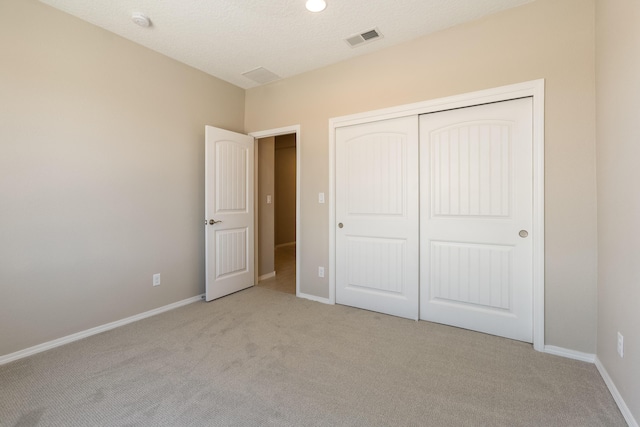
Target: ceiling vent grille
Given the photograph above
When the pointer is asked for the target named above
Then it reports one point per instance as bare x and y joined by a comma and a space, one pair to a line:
261, 75
365, 37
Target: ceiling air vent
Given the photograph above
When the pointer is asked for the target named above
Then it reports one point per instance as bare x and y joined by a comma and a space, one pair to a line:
362, 38
261, 75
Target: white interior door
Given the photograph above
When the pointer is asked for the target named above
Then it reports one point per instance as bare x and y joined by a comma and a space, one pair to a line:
228, 211
377, 214
476, 218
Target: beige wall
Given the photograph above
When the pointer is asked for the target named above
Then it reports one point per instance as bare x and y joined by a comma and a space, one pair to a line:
101, 174
266, 187
285, 180
618, 136
550, 39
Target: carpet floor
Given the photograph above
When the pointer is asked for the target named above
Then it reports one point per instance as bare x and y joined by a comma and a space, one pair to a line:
265, 358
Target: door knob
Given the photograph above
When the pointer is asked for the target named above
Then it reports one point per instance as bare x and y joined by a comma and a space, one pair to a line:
523, 233
340, 225
213, 221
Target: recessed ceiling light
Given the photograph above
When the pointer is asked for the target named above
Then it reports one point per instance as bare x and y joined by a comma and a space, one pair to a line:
141, 20
316, 5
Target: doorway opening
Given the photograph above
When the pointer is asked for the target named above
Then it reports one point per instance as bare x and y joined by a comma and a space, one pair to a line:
277, 204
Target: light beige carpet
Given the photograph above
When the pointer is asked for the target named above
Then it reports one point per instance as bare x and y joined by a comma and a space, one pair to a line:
264, 358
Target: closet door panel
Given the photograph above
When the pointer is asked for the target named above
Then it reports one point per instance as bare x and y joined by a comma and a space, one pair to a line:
476, 218
377, 216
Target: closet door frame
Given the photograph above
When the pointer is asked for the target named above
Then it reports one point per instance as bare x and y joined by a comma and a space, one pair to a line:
534, 89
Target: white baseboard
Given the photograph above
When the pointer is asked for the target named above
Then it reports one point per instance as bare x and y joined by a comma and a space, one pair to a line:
314, 298
267, 276
93, 331
571, 354
592, 358
626, 413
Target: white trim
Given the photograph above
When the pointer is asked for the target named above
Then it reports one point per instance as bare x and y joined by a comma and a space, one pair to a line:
538, 214
285, 131
569, 354
502, 93
535, 89
315, 298
592, 358
626, 412
93, 331
332, 211
267, 276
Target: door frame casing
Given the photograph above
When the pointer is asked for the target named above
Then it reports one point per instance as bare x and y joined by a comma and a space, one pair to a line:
534, 89
287, 130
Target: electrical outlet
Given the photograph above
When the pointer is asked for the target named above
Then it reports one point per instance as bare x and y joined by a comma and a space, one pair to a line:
156, 279
620, 345
320, 271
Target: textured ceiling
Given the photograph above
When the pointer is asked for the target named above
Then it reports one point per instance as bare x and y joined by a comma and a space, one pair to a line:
226, 38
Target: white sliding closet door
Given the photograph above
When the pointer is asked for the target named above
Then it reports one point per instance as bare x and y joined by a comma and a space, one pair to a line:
377, 216
476, 218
